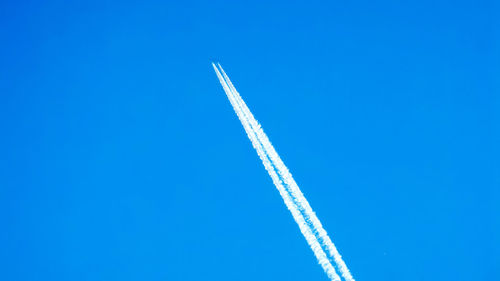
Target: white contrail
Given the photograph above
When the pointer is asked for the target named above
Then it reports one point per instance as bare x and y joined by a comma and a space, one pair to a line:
306, 231
296, 194
311, 228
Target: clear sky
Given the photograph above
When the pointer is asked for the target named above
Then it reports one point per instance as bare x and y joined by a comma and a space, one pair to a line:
122, 159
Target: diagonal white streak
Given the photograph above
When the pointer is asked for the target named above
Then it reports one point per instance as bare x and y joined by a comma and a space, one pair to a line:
311, 228
306, 231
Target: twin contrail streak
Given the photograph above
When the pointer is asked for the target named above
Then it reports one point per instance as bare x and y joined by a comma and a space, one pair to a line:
317, 238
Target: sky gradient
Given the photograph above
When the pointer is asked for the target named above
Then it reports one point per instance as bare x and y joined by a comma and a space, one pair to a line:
121, 158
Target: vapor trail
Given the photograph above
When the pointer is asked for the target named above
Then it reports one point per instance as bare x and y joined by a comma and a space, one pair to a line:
310, 226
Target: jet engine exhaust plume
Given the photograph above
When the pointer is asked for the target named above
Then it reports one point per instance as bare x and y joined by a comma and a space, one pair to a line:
317, 238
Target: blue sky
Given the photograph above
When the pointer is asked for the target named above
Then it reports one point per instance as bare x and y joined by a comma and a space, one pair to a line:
121, 158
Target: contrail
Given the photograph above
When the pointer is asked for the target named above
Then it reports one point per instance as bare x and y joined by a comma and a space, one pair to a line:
310, 226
